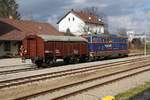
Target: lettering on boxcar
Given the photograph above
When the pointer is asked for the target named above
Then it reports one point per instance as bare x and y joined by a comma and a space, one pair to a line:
108, 45
75, 51
57, 51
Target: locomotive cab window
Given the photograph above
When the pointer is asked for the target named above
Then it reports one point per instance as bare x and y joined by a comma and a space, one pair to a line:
99, 39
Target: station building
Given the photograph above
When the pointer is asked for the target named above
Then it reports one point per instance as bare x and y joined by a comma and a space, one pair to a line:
13, 31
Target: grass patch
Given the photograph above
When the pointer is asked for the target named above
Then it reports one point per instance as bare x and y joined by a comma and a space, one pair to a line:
132, 92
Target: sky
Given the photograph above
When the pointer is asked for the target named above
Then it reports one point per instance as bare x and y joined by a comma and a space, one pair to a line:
129, 14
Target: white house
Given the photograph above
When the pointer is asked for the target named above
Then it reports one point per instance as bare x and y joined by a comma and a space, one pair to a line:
132, 35
80, 23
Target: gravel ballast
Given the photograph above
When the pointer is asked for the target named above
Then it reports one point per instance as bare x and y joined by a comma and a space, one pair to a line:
113, 88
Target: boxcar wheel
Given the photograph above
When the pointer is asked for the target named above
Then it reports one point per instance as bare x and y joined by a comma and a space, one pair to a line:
38, 61
67, 60
83, 59
76, 60
52, 62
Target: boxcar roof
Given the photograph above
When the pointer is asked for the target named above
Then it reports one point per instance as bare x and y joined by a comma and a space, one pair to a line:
61, 38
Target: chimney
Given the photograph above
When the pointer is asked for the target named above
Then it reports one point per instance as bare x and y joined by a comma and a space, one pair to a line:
72, 9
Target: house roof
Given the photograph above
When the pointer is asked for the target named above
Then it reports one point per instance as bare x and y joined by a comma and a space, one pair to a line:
25, 27
13, 35
86, 17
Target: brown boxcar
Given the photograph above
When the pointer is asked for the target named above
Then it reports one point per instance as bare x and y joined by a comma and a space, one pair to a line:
48, 48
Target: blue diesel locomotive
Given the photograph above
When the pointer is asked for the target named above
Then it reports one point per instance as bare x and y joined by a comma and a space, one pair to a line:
107, 45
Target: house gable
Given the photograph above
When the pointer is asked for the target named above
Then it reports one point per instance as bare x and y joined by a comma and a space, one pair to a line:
80, 23
71, 22
86, 17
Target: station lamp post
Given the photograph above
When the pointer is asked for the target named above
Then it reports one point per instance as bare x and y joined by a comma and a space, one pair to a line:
146, 40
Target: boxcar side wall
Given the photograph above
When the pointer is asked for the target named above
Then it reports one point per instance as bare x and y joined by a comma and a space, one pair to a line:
61, 49
83, 49
40, 47
55, 48
34, 46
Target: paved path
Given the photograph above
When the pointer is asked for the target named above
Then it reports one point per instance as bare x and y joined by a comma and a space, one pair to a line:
13, 62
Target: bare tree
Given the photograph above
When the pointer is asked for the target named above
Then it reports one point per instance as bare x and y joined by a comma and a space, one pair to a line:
95, 11
99, 14
86, 29
137, 43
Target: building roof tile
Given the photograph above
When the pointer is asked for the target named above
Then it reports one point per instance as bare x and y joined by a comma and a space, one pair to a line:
86, 17
89, 18
25, 27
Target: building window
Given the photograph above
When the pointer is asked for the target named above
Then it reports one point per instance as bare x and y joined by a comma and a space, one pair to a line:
73, 19
7, 46
68, 19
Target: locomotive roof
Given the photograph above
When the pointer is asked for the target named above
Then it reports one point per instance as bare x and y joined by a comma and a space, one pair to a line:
62, 38
108, 35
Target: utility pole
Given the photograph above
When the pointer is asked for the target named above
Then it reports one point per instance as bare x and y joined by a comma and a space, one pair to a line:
145, 45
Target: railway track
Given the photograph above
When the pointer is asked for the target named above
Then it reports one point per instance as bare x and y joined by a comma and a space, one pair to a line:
64, 73
75, 72
16, 69
137, 54
14, 66
77, 86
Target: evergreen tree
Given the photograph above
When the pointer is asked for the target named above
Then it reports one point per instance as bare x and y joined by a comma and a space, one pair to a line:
68, 33
8, 8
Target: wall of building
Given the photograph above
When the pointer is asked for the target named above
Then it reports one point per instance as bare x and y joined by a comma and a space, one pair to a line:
77, 26
13, 51
72, 22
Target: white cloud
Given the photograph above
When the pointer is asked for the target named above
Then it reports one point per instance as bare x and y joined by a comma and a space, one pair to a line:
138, 21
119, 21
53, 20
79, 1
121, 13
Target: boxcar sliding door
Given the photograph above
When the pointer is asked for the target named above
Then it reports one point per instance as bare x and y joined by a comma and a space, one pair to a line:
32, 47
